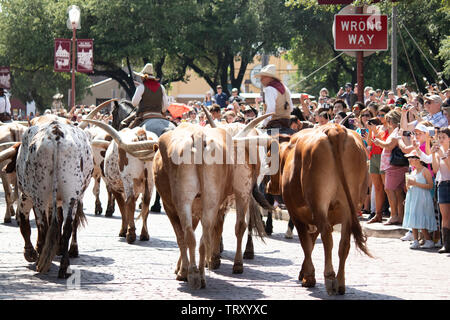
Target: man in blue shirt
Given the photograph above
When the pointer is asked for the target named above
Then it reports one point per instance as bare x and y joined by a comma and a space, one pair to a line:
221, 97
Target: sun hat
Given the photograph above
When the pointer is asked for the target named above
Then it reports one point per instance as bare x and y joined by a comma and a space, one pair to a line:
269, 71
434, 98
147, 72
415, 154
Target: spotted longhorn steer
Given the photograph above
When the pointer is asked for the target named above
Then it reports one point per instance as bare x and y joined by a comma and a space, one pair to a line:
196, 190
128, 173
100, 141
10, 133
54, 165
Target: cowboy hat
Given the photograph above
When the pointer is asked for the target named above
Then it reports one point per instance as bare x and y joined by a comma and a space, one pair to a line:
268, 71
147, 72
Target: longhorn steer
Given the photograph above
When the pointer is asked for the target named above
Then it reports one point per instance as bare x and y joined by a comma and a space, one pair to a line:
54, 166
323, 179
128, 173
10, 133
100, 141
195, 172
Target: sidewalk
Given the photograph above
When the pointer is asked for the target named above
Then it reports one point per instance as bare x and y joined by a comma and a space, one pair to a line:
377, 230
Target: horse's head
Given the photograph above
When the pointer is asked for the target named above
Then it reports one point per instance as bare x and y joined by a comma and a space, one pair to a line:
120, 111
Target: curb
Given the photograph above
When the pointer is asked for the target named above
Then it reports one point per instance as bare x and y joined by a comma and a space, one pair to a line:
376, 230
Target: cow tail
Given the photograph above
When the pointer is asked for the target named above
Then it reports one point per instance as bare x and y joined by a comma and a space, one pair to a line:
337, 140
52, 237
255, 224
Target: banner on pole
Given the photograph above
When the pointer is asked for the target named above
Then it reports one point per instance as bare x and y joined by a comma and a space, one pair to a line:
85, 55
62, 55
5, 78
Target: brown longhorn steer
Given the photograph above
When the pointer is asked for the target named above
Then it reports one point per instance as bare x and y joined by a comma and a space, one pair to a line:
323, 179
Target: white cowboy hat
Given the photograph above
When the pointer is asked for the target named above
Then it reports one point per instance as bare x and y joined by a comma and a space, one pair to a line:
268, 71
147, 72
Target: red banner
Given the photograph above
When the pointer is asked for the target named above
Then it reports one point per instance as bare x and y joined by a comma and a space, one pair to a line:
361, 32
62, 55
5, 78
85, 55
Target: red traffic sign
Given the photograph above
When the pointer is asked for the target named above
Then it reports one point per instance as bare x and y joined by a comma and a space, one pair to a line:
361, 32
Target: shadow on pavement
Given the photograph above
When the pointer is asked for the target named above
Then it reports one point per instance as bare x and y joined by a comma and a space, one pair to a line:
221, 289
351, 293
153, 242
258, 259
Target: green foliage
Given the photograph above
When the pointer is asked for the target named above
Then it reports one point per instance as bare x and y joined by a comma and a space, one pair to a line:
428, 22
26, 45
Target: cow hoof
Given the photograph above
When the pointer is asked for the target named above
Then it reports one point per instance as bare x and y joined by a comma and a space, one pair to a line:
214, 263
109, 212
238, 268
249, 255
308, 282
7, 220
144, 237
73, 251
194, 279
332, 286
62, 274
98, 210
341, 290
182, 275
122, 234
131, 238
30, 255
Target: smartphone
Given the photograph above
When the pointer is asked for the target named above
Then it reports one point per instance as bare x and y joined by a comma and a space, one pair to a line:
351, 121
431, 132
406, 133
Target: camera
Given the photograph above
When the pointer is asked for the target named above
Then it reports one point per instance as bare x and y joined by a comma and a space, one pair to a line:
406, 133
431, 132
351, 121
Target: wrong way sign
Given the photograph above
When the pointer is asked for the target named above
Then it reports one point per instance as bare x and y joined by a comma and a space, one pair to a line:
361, 32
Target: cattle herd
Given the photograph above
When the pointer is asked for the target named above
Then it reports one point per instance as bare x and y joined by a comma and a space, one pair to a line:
199, 172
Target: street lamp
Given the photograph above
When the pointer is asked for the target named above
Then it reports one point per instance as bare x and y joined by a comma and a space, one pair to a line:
73, 23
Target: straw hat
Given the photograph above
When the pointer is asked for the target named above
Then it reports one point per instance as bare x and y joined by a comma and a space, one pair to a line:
268, 71
147, 72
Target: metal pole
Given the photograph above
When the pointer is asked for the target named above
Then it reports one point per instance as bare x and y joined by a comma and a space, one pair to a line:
72, 95
394, 50
360, 68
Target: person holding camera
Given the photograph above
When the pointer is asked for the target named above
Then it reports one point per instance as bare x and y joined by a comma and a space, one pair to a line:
441, 166
348, 95
5, 107
394, 178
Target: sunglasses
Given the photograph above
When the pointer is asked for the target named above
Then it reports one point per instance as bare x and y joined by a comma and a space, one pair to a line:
427, 102
380, 115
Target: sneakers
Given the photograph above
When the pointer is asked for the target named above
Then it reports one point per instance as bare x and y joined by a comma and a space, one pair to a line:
408, 236
429, 244
415, 245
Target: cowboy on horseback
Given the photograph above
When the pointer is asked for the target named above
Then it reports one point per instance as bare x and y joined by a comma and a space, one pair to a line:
277, 98
150, 99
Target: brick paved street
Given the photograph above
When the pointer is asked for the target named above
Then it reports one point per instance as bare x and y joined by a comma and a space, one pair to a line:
112, 269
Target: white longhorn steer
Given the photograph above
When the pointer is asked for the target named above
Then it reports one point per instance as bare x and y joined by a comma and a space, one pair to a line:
54, 166
128, 173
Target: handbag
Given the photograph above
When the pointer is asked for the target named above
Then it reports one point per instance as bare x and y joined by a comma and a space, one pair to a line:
398, 158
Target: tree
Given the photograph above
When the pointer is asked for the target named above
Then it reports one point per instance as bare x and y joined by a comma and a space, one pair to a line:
26, 44
313, 46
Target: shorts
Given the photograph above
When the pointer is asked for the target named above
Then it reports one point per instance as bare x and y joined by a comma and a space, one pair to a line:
375, 162
395, 178
443, 192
